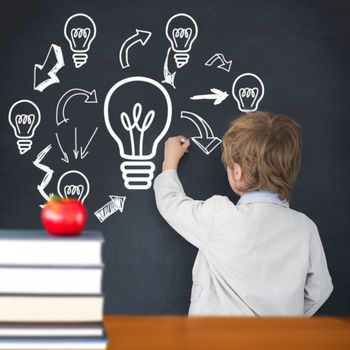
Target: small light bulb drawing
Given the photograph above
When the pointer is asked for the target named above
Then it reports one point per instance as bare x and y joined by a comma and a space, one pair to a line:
80, 31
181, 30
248, 90
73, 184
24, 117
137, 128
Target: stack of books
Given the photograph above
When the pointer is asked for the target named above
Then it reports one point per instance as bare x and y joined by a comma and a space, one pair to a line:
51, 291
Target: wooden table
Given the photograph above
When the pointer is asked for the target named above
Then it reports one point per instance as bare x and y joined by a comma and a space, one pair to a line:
181, 332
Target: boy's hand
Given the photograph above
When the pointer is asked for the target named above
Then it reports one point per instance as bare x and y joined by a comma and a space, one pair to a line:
174, 149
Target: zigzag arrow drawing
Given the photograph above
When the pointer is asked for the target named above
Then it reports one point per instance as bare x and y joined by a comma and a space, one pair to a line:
48, 171
48, 76
225, 65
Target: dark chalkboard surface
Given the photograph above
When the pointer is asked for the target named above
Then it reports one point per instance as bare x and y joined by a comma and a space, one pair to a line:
299, 49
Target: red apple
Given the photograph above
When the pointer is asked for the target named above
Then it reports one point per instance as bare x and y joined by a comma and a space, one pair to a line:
63, 216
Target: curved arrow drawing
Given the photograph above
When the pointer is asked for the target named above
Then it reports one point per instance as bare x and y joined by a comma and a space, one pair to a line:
48, 76
141, 36
225, 65
206, 140
48, 171
61, 105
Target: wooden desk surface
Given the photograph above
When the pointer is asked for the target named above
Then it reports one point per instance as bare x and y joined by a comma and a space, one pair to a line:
181, 333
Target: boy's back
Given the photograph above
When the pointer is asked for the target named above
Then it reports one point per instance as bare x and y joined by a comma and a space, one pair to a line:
258, 257
255, 258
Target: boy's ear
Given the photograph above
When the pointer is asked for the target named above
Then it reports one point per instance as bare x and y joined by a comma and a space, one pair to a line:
236, 172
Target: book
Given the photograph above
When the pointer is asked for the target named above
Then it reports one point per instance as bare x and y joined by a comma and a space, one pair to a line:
51, 308
53, 343
50, 280
84, 329
37, 247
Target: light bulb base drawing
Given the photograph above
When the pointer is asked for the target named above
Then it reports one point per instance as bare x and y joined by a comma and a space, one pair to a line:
24, 146
181, 59
137, 175
79, 59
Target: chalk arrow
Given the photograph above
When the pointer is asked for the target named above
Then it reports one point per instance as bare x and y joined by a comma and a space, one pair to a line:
84, 152
141, 36
62, 103
169, 78
75, 150
206, 140
115, 204
217, 95
225, 65
47, 71
65, 155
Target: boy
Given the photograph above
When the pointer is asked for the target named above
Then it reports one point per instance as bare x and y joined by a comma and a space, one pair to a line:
258, 257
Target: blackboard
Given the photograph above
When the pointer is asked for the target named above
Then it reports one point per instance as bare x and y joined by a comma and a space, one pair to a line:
299, 49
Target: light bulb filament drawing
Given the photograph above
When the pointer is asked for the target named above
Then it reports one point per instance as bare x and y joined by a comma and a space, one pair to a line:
73, 190
248, 93
180, 34
78, 34
24, 119
130, 126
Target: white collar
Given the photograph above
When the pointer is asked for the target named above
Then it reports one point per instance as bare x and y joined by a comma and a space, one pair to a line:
262, 196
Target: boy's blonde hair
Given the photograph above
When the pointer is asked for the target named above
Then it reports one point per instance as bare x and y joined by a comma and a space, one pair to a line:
267, 146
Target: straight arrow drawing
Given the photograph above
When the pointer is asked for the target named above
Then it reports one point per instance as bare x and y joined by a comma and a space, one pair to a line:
116, 203
62, 103
46, 71
65, 155
206, 140
141, 36
225, 65
84, 152
75, 150
217, 95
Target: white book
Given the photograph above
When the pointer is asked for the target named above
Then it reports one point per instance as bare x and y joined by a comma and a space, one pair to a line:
88, 343
50, 280
37, 247
51, 308
84, 329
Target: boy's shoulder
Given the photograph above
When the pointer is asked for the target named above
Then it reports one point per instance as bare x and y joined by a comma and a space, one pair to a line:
304, 219
224, 204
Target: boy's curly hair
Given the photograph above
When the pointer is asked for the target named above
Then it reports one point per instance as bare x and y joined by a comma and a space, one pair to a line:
268, 148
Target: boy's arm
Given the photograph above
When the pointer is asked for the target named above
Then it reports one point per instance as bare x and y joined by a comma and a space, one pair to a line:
318, 286
190, 218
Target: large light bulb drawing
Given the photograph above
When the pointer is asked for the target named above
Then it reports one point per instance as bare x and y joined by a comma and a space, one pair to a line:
137, 123
248, 90
181, 30
73, 184
80, 31
24, 117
